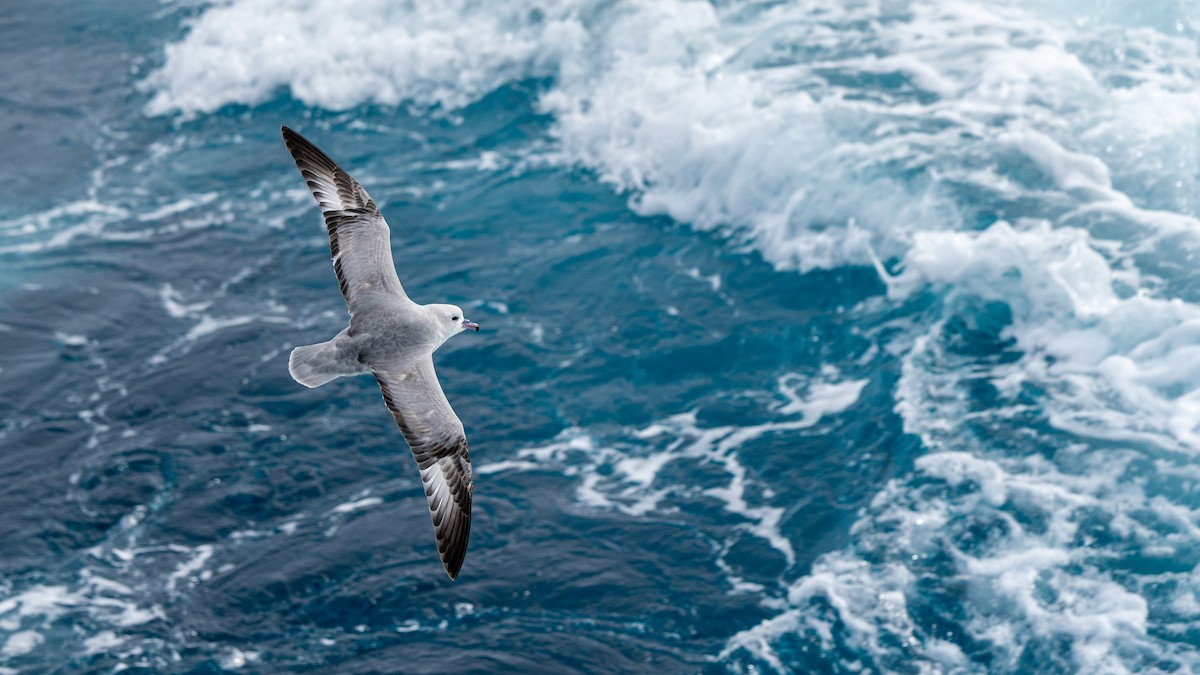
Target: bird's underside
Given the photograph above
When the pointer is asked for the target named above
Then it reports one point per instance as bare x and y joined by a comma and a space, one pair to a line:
360, 246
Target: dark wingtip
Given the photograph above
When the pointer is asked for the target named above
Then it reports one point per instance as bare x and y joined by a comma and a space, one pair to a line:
303, 150
291, 138
453, 559
455, 554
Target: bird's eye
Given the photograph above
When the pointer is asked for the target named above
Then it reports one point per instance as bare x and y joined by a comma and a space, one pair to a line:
454, 318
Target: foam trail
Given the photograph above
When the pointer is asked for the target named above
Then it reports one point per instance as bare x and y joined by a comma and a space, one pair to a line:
178, 308
1013, 551
625, 475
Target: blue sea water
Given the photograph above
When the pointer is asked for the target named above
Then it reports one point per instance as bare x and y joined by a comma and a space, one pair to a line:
817, 336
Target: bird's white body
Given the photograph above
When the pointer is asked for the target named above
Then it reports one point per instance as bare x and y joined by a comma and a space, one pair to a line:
393, 338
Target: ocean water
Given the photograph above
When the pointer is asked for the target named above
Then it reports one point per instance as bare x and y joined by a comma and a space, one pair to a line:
826, 336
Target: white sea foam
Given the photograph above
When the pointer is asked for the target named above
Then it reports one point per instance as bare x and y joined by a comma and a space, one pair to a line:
123, 586
189, 568
234, 658
624, 476
731, 116
22, 642
28, 615
119, 587
102, 642
364, 503
67, 222
71, 340
433, 52
205, 324
1114, 368
182, 206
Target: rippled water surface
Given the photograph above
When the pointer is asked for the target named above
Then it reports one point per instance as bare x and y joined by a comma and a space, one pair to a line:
817, 336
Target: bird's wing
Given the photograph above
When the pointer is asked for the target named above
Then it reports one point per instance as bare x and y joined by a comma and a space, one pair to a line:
359, 239
435, 436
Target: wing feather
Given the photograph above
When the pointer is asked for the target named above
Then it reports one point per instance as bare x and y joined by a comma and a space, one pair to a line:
439, 446
359, 237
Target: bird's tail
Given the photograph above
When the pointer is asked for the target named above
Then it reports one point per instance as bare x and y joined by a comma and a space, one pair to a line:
314, 365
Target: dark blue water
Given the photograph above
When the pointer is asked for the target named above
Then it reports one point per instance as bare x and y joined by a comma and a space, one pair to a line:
815, 338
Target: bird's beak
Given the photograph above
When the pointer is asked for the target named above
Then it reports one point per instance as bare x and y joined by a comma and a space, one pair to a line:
470, 324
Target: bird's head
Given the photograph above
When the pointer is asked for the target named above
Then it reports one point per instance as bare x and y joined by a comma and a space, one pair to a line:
451, 320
